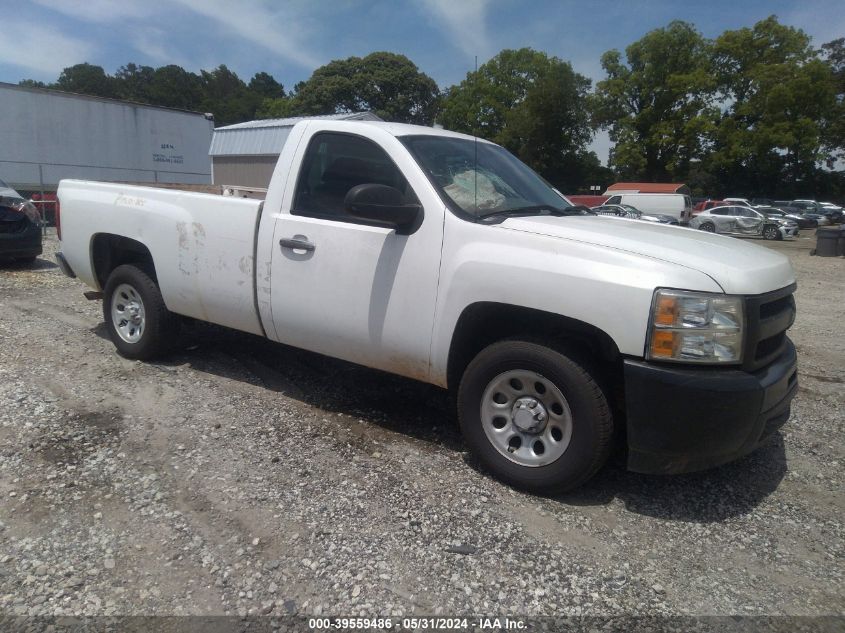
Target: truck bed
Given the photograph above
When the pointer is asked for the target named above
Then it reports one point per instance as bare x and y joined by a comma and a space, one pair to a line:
203, 244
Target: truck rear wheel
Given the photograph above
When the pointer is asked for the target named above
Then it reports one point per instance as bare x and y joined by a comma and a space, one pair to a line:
536, 418
140, 325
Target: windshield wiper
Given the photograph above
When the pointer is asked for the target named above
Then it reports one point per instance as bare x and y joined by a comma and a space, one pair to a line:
528, 210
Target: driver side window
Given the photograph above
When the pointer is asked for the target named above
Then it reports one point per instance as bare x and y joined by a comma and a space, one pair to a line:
335, 163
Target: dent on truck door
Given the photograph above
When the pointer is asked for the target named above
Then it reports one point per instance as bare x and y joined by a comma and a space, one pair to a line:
345, 288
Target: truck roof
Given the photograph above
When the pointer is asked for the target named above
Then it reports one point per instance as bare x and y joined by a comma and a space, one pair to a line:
399, 129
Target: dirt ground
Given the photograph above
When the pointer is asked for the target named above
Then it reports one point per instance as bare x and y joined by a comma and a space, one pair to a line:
243, 477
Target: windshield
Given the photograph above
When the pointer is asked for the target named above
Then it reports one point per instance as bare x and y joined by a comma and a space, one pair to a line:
481, 179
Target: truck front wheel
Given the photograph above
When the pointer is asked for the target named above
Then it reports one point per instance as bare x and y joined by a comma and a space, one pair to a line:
139, 324
536, 418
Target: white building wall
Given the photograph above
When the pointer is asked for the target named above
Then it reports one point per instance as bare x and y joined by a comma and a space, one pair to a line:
47, 135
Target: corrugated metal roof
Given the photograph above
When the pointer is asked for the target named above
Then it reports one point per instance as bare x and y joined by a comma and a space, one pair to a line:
267, 136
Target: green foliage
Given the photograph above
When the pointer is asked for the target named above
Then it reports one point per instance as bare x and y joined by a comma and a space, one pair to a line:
835, 132
227, 96
658, 104
275, 108
756, 111
219, 91
31, 83
532, 104
779, 98
86, 79
387, 84
266, 86
132, 82
175, 87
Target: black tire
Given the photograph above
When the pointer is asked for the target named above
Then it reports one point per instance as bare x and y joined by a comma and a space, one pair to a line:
592, 422
160, 325
771, 232
709, 227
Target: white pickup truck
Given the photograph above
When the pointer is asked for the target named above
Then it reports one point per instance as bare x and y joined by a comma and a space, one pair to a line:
443, 258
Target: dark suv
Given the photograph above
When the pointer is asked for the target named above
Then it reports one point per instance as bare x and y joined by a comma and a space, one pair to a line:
20, 226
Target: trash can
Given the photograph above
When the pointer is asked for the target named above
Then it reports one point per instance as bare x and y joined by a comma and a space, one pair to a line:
827, 241
840, 247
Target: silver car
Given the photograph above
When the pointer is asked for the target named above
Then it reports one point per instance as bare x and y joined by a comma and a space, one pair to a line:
741, 220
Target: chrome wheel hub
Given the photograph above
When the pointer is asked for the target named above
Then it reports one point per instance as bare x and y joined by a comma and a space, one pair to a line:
529, 415
526, 418
127, 313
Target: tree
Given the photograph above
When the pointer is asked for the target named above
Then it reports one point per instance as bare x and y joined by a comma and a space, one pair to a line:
657, 104
778, 101
835, 133
32, 83
532, 104
175, 87
387, 84
133, 82
228, 97
265, 85
275, 108
86, 79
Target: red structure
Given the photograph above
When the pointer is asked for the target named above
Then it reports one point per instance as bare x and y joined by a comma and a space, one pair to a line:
648, 187
587, 201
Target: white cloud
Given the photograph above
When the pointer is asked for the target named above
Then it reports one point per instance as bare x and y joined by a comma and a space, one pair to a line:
49, 59
102, 10
281, 30
466, 23
255, 23
154, 43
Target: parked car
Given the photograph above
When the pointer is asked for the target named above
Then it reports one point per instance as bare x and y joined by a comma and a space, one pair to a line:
813, 209
707, 204
677, 205
742, 202
833, 212
20, 226
761, 202
804, 220
443, 258
627, 211
742, 220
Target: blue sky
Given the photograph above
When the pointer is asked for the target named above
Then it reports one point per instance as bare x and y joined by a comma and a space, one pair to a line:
289, 39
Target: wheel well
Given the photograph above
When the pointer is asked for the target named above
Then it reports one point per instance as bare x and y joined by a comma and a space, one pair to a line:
483, 324
109, 251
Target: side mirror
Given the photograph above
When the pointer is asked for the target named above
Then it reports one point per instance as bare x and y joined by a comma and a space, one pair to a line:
382, 204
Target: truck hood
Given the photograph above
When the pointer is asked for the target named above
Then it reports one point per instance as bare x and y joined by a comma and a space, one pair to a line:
738, 266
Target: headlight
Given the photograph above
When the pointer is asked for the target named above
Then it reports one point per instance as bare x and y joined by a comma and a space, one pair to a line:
695, 327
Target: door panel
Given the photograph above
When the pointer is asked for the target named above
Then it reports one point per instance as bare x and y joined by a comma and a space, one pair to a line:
350, 290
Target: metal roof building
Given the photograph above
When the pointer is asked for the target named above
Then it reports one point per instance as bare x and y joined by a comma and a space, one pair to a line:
47, 135
245, 154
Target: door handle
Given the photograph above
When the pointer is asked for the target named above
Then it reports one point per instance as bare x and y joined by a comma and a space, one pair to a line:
297, 243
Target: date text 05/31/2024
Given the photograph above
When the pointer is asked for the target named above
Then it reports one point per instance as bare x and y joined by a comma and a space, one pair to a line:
416, 624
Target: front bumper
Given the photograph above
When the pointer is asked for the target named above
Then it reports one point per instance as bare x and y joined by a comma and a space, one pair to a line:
682, 420
788, 231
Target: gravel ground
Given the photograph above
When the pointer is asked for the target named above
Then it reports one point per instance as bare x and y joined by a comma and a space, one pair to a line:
242, 477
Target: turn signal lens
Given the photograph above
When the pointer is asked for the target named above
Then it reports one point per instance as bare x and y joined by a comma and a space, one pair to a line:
663, 344
665, 311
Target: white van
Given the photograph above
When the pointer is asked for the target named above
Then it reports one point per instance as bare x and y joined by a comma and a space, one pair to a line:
675, 204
